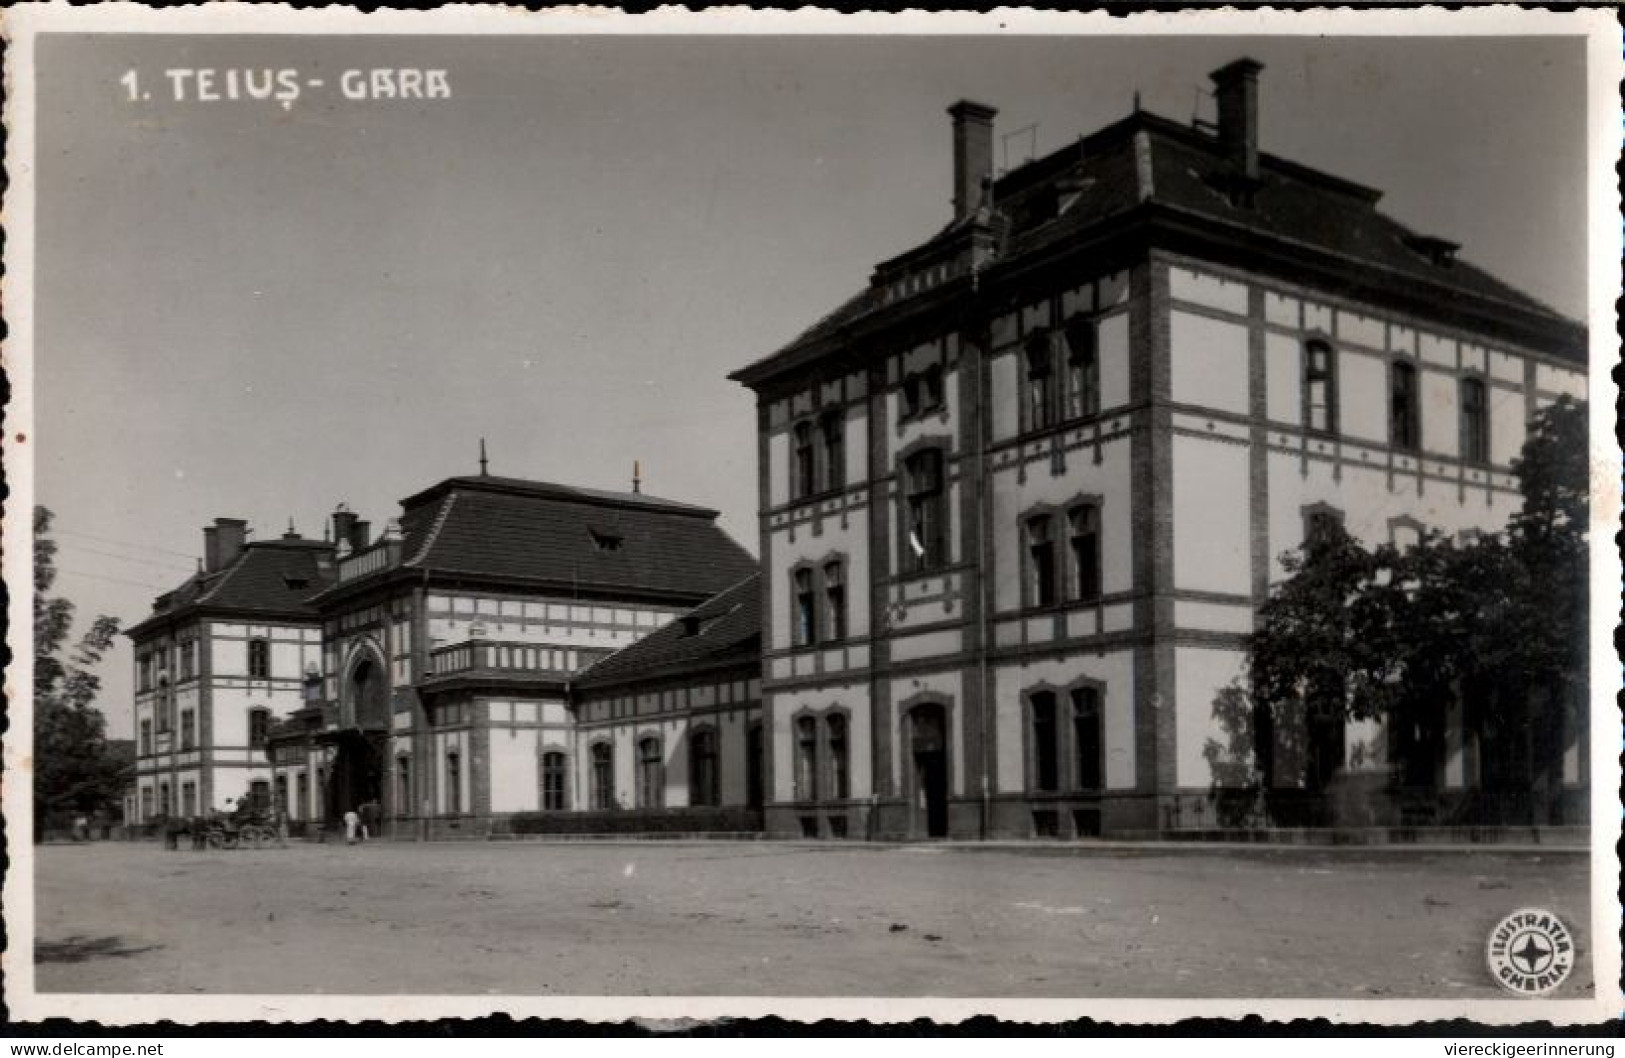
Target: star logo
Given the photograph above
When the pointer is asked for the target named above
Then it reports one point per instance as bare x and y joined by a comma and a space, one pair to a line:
1530, 952
1533, 954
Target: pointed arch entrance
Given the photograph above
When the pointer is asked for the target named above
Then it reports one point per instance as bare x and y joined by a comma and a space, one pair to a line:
357, 772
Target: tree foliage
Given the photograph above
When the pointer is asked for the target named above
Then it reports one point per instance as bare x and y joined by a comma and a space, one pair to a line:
1495, 627
73, 768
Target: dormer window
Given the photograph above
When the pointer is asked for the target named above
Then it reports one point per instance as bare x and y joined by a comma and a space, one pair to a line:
295, 583
1437, 251
605, 541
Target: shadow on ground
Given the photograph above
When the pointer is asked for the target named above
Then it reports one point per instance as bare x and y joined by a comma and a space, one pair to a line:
83, 949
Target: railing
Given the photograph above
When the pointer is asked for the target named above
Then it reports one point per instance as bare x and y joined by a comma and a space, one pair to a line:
380, 556
513, 657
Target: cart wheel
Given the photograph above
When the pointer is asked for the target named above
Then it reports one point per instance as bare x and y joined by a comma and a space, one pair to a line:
257, 838
230, 841
216, 840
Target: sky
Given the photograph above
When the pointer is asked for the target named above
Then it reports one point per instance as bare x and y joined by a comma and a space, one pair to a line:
253, 311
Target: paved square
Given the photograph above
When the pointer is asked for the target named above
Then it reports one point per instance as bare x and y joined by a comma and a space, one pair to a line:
789, 919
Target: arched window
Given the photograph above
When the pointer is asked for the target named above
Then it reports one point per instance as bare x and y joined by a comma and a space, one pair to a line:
1082, 368
1320, 387
454, 782
806, 759
925, 547
806, 607
833, 428
1040, 560
1046, 742
1404, 424
840, 783
1083, 540
703, 772
651, 774
1087, 746
259, 726
802, 460
603, 776
1475, 421
403, 786
555, 778
1040, 383
834, 601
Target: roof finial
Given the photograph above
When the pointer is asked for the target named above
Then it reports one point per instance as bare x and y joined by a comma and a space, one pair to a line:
482, 458
637, 476
1136, 100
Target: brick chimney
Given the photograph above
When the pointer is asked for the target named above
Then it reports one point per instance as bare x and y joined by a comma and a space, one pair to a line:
1235, 87
973, 154
223, 542
344, 521
360, 534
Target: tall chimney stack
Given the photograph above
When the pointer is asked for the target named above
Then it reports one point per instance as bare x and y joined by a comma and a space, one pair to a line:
344, 521
223, 542
973, 154
1236, 88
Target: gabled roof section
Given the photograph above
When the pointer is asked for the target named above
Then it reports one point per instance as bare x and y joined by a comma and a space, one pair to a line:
1147, 165
723, 631
276, 578
531, 532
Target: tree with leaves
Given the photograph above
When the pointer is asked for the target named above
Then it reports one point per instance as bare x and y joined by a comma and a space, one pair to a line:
74, 772
1497, 625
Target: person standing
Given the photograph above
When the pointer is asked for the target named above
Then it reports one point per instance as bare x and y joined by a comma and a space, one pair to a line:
352, 823
370, 813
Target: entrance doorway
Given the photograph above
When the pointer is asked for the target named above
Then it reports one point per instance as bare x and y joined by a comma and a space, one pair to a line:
357, 774
754, 750
928, 743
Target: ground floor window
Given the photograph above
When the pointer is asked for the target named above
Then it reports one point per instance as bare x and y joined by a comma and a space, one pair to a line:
164, 805
703, 768
301, 795
806, 759
839, 770
603, 776
259, 797
188, 799
403, 786
146, 803
454, 783
1046, 743
651, 774
281, 787
1086, 740
554, 771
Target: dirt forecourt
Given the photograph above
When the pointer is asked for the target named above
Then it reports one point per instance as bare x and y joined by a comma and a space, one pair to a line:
749, 918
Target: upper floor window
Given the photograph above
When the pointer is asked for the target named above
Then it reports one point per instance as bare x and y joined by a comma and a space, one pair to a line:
834, 601
806, 603
1475, 421
833, 428
1321, 520
188, 659
1404, 422
146, 738
143, 668
1320, 387
1083, 540
259, 658
803, 460
1040, 383
1082, 369
188, 729
922, 391
259, 726
1040, 561
927, 510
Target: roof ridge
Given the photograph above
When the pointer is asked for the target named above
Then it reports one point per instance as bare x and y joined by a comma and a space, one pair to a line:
225, 575
434, 530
